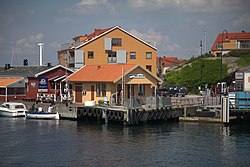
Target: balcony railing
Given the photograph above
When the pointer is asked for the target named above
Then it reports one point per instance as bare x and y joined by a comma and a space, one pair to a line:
112, 60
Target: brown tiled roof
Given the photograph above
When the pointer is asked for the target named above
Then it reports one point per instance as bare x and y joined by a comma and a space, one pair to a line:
97, 32
168, 61
181, 60
100, 73
231, 36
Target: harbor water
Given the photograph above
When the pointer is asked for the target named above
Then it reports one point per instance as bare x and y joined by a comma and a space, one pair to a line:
66, 143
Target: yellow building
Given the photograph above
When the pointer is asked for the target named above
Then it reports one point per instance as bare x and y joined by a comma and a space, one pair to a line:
229, 42
116, 82
108, 46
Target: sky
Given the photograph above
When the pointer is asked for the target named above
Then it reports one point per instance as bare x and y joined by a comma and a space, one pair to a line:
175, 27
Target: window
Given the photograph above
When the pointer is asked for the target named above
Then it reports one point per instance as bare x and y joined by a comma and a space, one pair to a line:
148, 55
90, 54
132, 55
149, 68
112, 57
141, 90
219, 45
100, 89
116, 42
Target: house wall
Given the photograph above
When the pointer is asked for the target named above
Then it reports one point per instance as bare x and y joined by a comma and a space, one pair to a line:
129, 44
232, 44
86, 86
111, 87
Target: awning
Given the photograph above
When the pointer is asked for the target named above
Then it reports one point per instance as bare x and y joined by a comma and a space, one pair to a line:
140, 81
12, 82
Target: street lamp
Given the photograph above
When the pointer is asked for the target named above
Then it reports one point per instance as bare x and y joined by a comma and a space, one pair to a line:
224, 31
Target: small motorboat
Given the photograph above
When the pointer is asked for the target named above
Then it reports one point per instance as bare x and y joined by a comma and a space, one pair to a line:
41, 115
13, 109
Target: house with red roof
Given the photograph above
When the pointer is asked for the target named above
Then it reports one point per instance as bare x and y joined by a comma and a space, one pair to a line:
167, 63
112, 45
117, 82
230, 41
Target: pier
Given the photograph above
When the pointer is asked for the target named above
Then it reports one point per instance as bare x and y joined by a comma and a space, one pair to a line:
195, 109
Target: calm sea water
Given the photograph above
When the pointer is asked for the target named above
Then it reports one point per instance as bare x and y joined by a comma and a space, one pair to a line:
74, 143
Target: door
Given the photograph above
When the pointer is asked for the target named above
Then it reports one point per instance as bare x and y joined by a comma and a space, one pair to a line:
92, 92
78, 93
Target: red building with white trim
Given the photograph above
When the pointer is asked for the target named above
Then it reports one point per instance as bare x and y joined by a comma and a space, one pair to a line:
39, 82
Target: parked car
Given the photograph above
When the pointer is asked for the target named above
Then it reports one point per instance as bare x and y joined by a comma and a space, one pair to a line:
170, 91
162, 92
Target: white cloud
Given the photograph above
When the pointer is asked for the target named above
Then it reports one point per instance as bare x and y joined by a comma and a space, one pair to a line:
189, 5
243, 20
86, 7
28, 45
150, 36
169, 48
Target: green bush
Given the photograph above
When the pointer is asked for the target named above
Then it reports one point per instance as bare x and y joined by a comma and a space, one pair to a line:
190, 75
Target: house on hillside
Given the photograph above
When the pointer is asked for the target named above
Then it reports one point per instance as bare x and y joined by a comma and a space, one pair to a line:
108, 46
116, 82
33, 82
230, 41
167, 63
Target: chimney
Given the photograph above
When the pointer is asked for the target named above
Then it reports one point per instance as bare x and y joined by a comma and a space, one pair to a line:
7, 66
97, 29
25, 62
41, 45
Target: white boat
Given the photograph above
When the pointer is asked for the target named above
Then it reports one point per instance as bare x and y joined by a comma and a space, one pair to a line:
41, 115
12, 109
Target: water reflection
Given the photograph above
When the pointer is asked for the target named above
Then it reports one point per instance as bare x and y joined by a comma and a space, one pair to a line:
92, 143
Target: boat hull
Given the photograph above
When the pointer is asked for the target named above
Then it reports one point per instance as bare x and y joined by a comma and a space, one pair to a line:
41, 115
12, 109
5, 113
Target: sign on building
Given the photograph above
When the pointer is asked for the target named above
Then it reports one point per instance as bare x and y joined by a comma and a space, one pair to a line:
42, 84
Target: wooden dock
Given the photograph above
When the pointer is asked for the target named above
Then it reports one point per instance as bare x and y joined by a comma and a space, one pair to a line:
130, 116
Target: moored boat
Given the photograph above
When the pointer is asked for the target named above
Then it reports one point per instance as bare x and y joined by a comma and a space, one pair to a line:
41, 115
12, 109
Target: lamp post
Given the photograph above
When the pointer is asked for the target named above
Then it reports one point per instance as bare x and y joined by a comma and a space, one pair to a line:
222, 38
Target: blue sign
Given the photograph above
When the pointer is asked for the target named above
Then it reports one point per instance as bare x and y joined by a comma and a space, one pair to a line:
43, 85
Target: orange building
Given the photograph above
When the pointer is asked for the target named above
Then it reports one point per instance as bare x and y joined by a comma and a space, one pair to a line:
108, 46
116, 82
230, 41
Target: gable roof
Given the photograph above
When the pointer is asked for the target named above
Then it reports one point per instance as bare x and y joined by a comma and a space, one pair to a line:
53, 68
231, 36
100, 33
28, 71
104, 73
99, 73
168, 61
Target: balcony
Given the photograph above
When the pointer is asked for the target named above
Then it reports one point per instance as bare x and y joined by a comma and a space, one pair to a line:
112, 60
